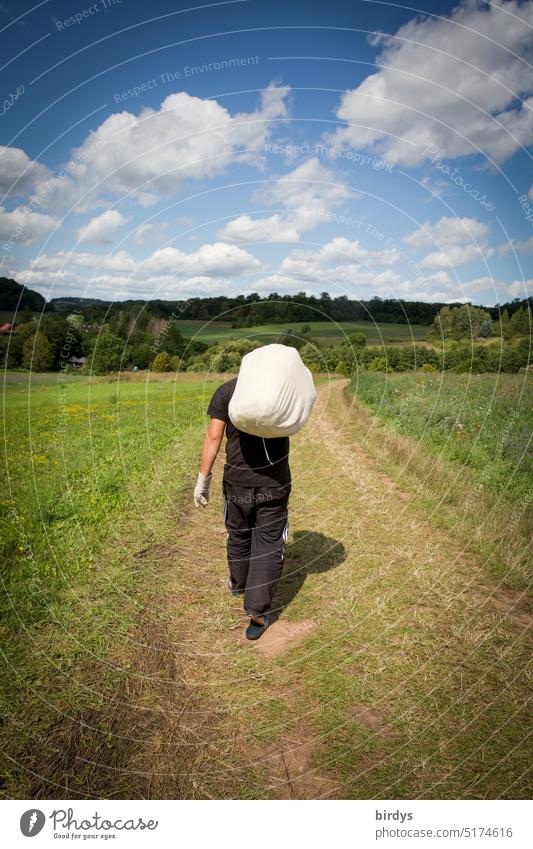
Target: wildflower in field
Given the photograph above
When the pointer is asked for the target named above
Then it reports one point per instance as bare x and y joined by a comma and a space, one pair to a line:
39, 458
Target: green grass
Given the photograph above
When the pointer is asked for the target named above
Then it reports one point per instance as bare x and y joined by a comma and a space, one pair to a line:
481, 421
79, 459
324, 331
76, 455
95, 468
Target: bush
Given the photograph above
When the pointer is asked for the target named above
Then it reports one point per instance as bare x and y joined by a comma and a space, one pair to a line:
378, 364
177, 364
340, 368
312, 357
162, 362
226, 361
428, 367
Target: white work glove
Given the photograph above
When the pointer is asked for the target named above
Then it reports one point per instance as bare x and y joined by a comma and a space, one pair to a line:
201, 490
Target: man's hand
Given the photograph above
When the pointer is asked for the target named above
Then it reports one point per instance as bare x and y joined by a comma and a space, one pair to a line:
201, 490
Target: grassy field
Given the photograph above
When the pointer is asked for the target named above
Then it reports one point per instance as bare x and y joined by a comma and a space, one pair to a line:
322, 331
79, 459
480, 421
398, 665
327, 332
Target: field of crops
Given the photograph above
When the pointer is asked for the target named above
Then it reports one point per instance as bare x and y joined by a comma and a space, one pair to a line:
328, 332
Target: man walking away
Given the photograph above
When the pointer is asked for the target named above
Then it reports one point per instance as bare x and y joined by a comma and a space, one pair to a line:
256, 488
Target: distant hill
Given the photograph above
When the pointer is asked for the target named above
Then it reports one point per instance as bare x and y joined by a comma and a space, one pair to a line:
15, 298
66, 304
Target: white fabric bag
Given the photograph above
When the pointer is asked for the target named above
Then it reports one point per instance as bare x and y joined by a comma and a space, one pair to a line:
274, 394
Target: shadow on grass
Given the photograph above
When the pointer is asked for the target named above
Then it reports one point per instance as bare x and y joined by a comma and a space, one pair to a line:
310, 553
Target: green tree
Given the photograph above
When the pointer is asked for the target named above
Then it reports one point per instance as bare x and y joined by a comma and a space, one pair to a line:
25, 316
107, 354
521, 322
292, 339
506, 330
459, 322
140, 356
173, 339
37, 353
17, 340
162, 362
485, 329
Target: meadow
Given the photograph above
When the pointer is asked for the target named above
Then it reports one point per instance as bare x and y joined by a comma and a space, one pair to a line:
479, 421
78, 458
124, 673
327, 332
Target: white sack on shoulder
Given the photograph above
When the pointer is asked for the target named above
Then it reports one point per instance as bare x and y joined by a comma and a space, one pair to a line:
274, 394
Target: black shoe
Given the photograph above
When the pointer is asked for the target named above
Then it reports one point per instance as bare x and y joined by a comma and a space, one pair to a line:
232, 590
254, 629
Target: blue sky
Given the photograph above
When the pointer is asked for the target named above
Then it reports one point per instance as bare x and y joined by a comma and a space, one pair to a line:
362, 148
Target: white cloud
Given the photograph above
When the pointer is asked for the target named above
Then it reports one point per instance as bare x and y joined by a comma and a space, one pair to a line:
19, 173
521, 246
452, 83
150, 155
275, 228
431, 288
309, 193
119, 286
455, 256
141, 233
120, 261
447, 232
340, 259
521, 288
458, 240
218, 259
102, 229
23, 226
343, 250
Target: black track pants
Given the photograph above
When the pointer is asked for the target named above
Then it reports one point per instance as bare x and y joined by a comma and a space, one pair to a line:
256, 520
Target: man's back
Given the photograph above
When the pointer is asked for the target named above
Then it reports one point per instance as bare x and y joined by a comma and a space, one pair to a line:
250, 460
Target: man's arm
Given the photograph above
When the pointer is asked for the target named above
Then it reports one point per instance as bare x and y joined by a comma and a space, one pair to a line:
210, 449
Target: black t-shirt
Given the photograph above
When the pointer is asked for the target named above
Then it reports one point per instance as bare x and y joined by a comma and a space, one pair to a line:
250, 460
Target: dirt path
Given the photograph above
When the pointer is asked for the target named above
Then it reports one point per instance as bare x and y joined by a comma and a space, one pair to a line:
393, 669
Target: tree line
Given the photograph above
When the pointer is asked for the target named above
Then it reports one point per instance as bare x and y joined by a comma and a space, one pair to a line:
243, 310
459, 336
